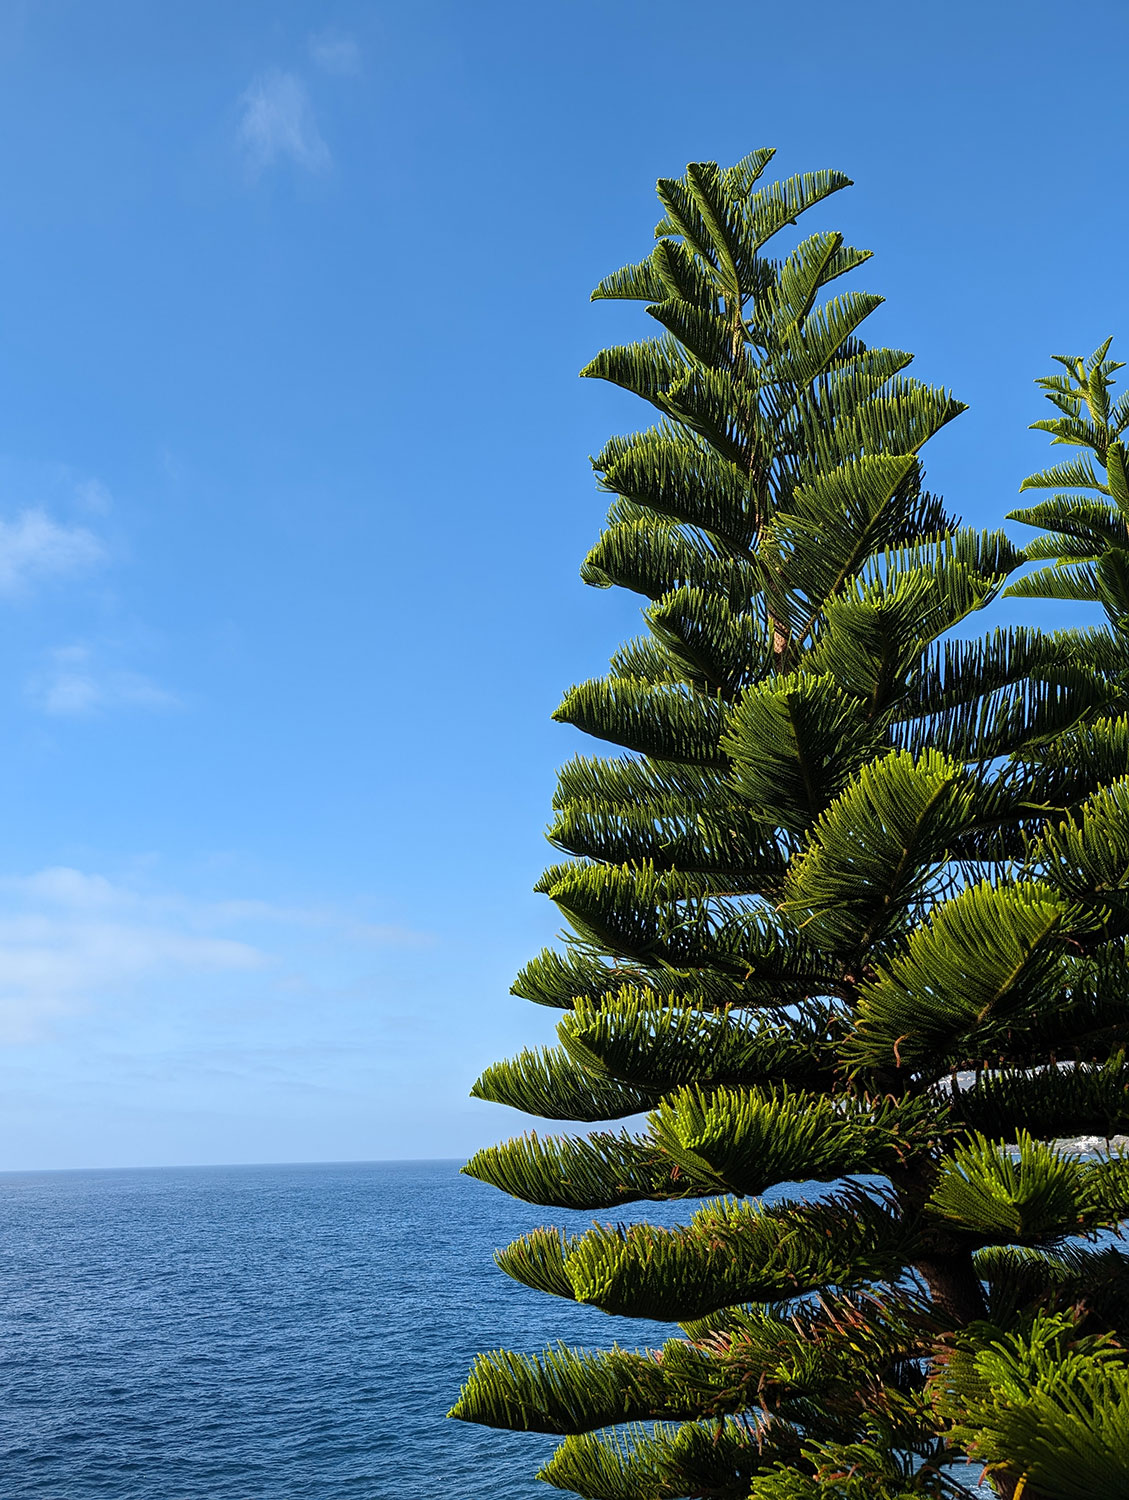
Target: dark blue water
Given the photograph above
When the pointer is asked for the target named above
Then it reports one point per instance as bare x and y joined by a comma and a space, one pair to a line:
294, 1333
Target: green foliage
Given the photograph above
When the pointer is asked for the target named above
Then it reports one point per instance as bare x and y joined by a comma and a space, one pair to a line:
875, 853
1031, 1195
988, 962
597, 1171
1043, 1405
1070, 1276
634, 1037
1087, 539
794, 741
566, 1390
729, 1254
1082, 1100
548, 1083
747, 1140
719, 1459
848, 902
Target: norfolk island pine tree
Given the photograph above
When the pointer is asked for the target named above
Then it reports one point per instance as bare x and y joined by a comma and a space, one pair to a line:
819, 880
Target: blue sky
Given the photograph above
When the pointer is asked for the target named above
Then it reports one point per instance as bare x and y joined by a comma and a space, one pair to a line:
294, 488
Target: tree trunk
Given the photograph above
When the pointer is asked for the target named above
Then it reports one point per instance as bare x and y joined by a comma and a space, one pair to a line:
954, 1285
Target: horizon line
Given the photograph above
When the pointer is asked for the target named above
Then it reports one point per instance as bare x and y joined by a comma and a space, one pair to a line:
201, 1166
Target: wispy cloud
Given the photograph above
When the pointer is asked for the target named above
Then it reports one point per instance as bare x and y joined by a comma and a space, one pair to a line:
278, 124
34, 548
70, 938
79, 935
93, 496
336, 54
63, 886
76, 684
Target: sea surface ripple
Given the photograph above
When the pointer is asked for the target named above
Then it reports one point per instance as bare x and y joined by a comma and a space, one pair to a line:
292, 1332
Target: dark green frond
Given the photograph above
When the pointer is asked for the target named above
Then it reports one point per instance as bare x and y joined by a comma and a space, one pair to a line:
718, 648
732, 1254
651, 1045
782, 203
1076, 582
798, 282
1078, 474
874, 851
833, 525
560, 979
682, 275
955, 672
706, 334
1030, 1195
803, 351
683, 480
652, 556
537, 1260
565, 1390
586, 1172
1042, 1405
1012, 719
657, 917
640, 283
988, 960
668, 723
644, 659
747, 1140
725, 840
715, 1460
550, 1084
742, 176
1055, 1102
720, 407
646, 369
901, 418
1087, 857
619, 780
1071, 767
794, 742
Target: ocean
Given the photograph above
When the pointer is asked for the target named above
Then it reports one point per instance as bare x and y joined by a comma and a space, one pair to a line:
267, 1333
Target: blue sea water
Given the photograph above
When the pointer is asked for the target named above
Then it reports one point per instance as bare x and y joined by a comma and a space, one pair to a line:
294, 1333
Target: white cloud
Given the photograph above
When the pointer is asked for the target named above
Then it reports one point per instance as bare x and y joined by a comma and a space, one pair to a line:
75, 685
33, 548
336, 54
66, 937
278, 123
70, 939
61, 886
